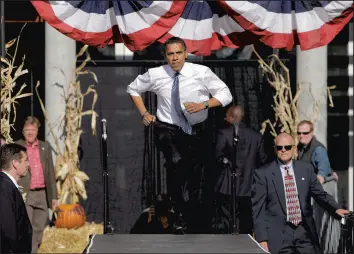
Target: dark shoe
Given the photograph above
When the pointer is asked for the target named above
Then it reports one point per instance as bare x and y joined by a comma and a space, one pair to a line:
179, 227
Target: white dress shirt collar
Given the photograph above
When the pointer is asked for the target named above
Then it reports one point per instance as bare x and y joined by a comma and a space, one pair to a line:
12, 179
186, 71
282, 166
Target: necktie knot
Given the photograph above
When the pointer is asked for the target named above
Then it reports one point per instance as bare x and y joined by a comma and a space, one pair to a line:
177, 74
287, 170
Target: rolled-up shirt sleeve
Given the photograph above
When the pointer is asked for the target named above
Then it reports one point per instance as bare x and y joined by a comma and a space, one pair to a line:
140, 85
217, 88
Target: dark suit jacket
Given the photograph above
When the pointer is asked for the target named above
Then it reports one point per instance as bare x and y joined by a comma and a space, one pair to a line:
250, 155
48, 169
269, 205
15, 226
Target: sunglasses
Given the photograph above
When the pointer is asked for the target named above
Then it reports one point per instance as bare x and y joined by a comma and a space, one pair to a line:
287, 148
304, 133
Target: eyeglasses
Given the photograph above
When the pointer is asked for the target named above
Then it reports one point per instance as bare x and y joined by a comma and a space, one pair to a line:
287, 148
304, 133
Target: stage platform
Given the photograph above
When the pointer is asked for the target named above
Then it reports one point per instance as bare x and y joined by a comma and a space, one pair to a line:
205, 243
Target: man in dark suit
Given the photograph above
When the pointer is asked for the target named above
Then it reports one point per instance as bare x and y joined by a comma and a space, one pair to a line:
249, 152
40, 183
15, 226
281, 199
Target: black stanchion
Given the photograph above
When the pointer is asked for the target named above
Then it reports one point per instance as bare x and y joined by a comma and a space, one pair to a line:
107, 227
235, 224
347, 234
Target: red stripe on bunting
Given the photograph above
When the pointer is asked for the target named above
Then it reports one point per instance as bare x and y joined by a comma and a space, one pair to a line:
324, 35
45, 10
134, 41
306, 40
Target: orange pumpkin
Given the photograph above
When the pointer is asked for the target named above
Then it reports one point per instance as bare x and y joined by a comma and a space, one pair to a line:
70, 216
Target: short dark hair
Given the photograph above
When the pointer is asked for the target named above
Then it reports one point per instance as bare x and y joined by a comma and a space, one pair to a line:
10, 152
173, 40
240, 114
162, 205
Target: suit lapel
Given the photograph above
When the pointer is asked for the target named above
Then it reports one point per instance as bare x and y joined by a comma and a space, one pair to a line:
42, 151
229, 133
300, 181
279, 185
8, 179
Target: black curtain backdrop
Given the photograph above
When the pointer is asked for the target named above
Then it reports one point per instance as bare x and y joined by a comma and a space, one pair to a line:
136, 172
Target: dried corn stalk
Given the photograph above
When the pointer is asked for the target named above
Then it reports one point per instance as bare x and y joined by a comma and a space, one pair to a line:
285, 105
70, 180
9, 75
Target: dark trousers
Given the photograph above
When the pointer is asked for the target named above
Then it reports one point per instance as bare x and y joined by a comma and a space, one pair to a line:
244, 207
296, 240
184, 164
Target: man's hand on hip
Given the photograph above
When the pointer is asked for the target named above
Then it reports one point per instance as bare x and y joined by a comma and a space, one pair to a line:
193, 107
148, 119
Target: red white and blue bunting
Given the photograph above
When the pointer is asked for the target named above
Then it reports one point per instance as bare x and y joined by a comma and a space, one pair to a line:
204, 25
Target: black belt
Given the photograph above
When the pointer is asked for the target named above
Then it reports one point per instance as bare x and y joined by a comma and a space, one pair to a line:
292, 225
38, 189
172, 127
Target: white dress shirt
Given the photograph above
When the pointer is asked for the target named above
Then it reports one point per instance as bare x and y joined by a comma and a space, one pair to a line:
196, 83
284, 173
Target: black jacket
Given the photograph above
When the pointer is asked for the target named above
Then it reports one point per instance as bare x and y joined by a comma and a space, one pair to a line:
15, 226
250, 155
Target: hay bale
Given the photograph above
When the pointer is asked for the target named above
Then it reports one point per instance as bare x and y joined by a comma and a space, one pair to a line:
62, 240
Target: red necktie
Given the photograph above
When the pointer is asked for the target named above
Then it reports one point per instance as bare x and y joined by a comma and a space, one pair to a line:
292, 199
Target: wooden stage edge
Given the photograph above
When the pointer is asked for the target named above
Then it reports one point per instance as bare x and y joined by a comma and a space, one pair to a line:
189, 243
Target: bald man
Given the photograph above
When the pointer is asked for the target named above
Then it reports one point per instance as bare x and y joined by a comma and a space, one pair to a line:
249, 156
281, 202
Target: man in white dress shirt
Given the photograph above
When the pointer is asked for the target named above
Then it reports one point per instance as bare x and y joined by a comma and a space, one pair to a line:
183, 97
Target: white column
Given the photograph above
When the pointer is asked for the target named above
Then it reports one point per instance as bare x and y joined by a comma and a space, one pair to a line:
351, 120
60, 52
312, 74
121, 52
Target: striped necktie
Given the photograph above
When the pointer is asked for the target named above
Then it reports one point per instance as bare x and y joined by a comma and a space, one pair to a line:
176, 105
292, 199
